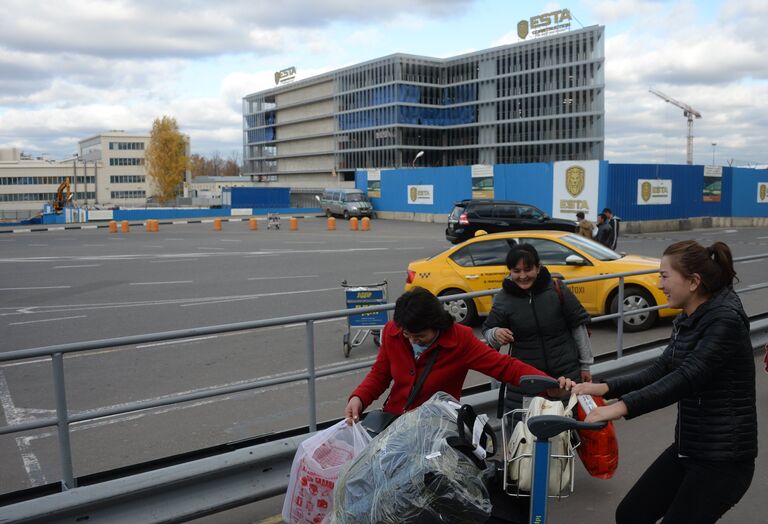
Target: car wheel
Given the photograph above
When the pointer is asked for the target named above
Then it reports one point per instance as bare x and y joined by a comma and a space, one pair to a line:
635, 298
328, 213
346, 215
462, 310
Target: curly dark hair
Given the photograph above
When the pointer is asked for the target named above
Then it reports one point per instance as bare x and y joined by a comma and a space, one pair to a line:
418, 309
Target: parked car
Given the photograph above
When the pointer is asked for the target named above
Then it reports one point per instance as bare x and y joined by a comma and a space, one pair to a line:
480, 264
345, 202
495, 216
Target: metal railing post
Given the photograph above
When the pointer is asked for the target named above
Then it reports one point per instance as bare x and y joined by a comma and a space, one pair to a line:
620, 325
62, 415
311, 371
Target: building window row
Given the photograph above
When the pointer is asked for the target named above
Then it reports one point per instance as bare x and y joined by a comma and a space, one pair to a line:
127, 146
422, 116
370, 75
553, 52
127, 179
128, 194
126, 161
405, 93
547, 129
42, 197
547, 80
546, 105
35, 180
528, 153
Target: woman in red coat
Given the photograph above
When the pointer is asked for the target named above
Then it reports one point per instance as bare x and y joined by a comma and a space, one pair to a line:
421, 326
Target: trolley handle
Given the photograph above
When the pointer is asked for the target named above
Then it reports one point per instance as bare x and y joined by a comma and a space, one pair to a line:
532, 385
380, 284
547, 426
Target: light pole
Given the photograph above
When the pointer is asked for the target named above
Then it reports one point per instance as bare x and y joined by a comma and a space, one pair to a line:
418, 155
714, 144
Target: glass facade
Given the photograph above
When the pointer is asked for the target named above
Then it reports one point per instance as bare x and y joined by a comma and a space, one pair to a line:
540, 100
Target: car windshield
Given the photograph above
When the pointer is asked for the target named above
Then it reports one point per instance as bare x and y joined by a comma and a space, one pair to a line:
591, 247
355, 197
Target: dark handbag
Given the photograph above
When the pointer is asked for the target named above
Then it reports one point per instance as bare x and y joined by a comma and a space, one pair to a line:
378, 420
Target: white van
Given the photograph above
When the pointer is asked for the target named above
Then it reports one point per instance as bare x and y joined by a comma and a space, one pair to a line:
345, 202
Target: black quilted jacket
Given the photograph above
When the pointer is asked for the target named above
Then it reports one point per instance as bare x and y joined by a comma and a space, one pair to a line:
708, 368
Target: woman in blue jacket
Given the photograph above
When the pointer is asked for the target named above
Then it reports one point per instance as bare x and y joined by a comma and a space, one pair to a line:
708, 369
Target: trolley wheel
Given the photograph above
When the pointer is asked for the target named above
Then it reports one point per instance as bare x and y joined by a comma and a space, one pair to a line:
346, 215
328, 213
377, 338
346, 346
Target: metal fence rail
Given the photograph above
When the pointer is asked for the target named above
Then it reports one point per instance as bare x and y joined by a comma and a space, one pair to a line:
64, 418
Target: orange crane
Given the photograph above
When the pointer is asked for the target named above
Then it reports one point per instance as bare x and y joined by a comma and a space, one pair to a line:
689, 113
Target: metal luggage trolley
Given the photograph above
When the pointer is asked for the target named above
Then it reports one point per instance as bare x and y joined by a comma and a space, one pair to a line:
273, 221
368, 323
542, 460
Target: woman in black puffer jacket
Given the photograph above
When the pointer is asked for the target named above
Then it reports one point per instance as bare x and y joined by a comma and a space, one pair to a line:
547, 324
708, 369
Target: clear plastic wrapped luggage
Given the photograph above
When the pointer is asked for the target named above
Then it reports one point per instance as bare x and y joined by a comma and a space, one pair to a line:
422, 468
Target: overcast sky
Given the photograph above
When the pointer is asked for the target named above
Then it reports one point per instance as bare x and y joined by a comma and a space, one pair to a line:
70, 69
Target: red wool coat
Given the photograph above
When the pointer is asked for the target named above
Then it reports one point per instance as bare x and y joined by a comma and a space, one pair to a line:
460, 351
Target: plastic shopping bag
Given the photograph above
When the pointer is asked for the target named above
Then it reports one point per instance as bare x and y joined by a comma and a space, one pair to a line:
599, 450
315, 470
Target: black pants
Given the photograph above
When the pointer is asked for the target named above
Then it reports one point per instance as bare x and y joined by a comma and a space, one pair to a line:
685, 490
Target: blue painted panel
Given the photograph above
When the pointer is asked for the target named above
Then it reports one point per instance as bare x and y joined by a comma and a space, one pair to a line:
687, 192
529, 183
449, 185
258, 197
744, 192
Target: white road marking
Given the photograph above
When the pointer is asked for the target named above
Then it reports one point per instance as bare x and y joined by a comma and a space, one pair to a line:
751, 261
156, 283
154, 246
84, 265
38, 245
213, 248
761, 238
39, 287
260, 295
175, 342
45, 320
303, 242
94, 245
14, 415
173, 260
229, 240
278, 278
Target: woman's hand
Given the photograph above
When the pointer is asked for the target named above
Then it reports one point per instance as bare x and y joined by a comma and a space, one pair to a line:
566, 385
503, 336
591, 388
353, 410
607, 413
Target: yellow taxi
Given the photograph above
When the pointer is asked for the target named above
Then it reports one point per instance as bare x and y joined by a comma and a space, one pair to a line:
479, 264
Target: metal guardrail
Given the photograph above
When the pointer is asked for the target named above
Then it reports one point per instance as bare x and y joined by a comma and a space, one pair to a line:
64, 419
210, 485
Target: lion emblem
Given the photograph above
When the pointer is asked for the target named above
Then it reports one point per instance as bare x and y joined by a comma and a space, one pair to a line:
645, 191
522, 29
575, 178
413, 193
763, 191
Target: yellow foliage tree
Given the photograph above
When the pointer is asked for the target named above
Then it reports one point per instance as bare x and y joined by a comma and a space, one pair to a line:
166, 157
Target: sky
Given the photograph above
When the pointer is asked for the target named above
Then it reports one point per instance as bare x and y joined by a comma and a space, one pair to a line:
71, 69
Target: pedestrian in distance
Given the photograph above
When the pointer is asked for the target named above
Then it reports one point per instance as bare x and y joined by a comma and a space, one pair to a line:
604, 230
420, 327
613, 221
708, 370
541, 319
585, 226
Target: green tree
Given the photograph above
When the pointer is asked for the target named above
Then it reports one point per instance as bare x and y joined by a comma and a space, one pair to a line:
166, 157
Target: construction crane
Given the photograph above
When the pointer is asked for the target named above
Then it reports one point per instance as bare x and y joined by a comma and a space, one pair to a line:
689, 113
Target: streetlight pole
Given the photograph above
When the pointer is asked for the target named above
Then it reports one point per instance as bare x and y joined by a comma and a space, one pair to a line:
714, 144
418, 155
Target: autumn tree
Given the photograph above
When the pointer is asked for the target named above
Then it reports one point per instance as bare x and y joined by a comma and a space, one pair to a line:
166, 157
215, 165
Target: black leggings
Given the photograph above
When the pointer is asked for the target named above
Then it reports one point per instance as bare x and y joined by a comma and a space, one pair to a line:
685, 490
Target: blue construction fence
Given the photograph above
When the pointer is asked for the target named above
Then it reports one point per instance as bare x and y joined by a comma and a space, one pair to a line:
736, 193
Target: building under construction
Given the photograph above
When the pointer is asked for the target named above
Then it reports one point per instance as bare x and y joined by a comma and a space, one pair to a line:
538, 100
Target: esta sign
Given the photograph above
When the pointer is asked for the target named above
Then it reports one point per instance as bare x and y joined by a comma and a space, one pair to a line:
286, 75
545, 23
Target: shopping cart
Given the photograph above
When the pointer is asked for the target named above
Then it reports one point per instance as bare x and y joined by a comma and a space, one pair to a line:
365, 323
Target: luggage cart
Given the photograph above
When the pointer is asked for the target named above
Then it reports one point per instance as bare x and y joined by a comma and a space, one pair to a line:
543, 428
273, 221
367, 323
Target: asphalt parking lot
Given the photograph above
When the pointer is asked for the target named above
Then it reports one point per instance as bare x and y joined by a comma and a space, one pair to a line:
68, 286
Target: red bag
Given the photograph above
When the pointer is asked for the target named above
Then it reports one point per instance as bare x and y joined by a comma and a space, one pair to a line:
599, 450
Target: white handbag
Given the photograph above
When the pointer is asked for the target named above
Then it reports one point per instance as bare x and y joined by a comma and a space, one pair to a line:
520, 449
